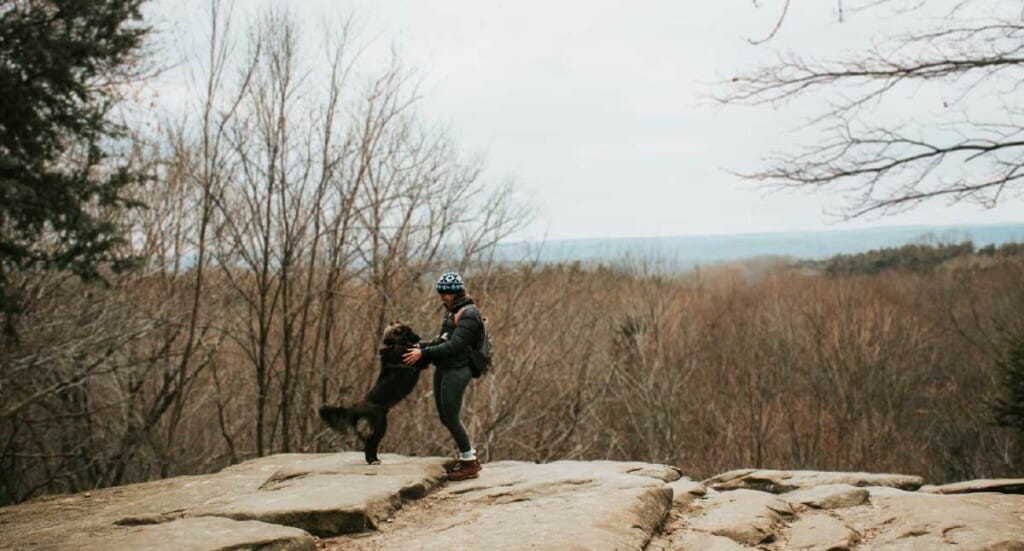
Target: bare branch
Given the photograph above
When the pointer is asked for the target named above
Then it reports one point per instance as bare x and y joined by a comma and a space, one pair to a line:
874, 162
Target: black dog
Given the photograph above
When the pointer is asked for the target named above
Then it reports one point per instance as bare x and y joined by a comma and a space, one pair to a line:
395, 382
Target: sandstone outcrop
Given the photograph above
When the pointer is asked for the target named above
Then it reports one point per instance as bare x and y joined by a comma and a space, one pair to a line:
828, 496
744, 516
513, 505
1000, 485
830, 511
336, 501
276, 502
778, 482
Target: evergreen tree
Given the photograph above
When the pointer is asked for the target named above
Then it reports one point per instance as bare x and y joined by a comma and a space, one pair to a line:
60, 64
1009, 408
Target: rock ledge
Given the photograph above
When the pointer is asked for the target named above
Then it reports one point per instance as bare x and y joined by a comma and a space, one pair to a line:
336, 501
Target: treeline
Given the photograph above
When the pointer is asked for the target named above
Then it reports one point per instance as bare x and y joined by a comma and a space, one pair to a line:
897, 372
911, 258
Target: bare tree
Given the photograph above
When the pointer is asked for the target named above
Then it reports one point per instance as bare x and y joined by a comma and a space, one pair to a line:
883, 163
340, 198
286, 220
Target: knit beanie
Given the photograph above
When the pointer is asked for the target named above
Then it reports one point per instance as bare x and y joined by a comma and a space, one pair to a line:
450, 283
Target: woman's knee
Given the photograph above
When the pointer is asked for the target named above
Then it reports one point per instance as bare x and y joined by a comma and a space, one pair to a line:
451, 420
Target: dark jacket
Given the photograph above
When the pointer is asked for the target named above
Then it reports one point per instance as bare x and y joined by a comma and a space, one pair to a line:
450, 350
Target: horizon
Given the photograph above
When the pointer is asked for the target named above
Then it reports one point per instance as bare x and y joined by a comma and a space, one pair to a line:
865, 229
685, 252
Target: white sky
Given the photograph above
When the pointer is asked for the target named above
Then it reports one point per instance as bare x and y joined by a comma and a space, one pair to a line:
594, 108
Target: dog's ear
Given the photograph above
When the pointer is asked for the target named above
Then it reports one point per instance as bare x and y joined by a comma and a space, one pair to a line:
390, 332
407, 334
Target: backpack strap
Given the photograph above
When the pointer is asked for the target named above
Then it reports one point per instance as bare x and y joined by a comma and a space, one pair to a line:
459, 313
483, 320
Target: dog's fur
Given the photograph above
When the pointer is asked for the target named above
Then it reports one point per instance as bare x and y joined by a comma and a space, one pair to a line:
395, 382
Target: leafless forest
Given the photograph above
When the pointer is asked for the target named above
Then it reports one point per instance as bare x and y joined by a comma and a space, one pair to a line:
291, 218
725, 369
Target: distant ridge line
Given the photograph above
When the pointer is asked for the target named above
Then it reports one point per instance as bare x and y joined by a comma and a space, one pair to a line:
686, 251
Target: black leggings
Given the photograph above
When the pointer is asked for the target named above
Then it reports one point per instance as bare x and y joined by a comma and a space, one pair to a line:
449, 386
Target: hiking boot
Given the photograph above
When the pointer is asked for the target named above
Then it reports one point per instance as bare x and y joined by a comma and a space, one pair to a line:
467, 468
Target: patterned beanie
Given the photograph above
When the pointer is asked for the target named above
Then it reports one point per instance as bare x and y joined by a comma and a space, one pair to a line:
450, 283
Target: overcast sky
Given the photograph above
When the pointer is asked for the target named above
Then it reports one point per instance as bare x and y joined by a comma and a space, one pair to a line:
595, 109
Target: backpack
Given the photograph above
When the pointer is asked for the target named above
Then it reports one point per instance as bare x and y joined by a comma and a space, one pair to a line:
480, 356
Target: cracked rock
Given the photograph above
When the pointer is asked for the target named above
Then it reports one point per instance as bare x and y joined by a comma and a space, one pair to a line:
779, 482
746, 516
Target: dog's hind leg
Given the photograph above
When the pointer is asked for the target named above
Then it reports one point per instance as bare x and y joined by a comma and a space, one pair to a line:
379, 423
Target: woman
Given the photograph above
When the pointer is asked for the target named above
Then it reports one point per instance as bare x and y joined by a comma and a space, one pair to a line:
461, 330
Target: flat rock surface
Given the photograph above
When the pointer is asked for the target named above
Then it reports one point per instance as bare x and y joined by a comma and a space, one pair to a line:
697, 541
336, 501
200, 534
745, 516
836, 517
515, 505
1000, 485
323, 494
821, 532
779, 482
828, 496
912, 520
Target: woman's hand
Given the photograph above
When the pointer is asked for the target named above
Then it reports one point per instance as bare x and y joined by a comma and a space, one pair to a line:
412, 356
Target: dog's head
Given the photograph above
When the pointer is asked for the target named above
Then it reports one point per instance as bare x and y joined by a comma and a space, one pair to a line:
398, 333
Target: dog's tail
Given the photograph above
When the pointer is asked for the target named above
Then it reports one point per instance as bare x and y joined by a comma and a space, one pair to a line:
339, 418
